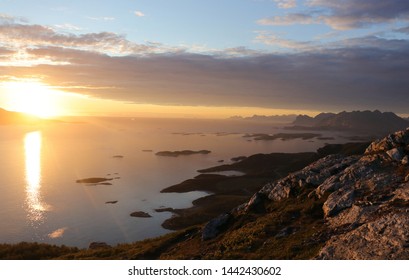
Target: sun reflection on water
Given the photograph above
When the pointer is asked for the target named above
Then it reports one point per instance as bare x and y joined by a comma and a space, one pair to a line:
35, 206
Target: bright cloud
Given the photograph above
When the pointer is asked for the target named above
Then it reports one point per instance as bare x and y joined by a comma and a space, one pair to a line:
286, 4
139, 14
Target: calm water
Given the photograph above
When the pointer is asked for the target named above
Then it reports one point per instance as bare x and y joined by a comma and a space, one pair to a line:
42, 202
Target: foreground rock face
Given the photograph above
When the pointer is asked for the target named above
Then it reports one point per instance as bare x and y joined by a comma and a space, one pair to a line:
366, 208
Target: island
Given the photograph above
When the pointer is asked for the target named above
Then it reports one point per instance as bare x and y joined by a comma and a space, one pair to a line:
181, 153
282, 136
140, 214
95, 181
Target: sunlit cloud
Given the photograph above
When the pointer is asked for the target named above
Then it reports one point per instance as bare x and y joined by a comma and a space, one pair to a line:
345, 15
139, 14
25, 36
286, 4
359, 73
68, 26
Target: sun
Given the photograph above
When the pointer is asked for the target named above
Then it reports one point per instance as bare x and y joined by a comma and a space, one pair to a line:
32, 97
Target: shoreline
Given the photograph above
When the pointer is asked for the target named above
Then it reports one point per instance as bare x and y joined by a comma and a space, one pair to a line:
227, 192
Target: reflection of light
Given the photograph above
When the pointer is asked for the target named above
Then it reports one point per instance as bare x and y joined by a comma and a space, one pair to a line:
32, 148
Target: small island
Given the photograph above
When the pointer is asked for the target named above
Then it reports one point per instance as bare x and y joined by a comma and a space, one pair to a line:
93, 180
140, 214
181, 153
282, 136
112, 202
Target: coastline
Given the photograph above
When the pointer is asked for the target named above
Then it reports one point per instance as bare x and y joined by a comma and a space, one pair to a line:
227, 192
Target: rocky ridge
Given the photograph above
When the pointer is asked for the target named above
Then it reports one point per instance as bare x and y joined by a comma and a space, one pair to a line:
365, 201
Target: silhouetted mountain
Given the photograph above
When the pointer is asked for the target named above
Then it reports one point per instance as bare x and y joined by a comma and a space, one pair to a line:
364, 121
8, 117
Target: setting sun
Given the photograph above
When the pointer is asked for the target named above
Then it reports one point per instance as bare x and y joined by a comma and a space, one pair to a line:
32, 97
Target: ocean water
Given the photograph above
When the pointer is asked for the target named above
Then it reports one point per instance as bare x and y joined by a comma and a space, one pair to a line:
41, 201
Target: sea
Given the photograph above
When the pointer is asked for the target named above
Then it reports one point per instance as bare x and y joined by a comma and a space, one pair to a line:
41, 200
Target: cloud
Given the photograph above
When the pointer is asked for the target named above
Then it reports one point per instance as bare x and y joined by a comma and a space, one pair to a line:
7, 19
366, 73
269, 38
404, 30
25, 36
347, 14
139, 14
69, 27
101, 18
289, 19
359, 73
286, 4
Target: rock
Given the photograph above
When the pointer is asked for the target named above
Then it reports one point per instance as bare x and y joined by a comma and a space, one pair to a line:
280, 191
285, 232
385, 238
338, 201
255, 203
402, 193
98, 245
354, 215
396, 154
405, 160
140, 214
215, 227
398, 139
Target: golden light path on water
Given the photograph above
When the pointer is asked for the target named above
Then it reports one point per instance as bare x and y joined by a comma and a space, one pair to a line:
35, 206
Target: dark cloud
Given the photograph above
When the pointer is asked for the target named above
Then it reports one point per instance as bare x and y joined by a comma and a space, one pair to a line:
350, 14
334, 79
361, 73
347, 14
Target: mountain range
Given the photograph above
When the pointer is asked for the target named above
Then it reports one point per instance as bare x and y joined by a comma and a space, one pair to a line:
363, 121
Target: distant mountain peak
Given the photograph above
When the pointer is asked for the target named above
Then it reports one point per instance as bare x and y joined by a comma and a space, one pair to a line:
363, 121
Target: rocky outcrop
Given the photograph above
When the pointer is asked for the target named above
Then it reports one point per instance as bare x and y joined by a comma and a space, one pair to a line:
215, 226
366, 200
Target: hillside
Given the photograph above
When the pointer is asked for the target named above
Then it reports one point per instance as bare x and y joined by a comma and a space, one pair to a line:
360, 121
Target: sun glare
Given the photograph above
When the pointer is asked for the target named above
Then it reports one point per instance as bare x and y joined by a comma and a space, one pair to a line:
34, 98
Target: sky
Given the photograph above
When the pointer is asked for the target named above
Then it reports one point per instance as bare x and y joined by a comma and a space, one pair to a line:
207, 58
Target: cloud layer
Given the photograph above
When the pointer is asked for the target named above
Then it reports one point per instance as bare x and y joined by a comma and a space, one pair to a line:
347, 14
361, 73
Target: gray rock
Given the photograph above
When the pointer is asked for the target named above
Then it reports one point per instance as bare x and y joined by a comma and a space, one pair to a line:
384, 238
213, 228
338, 201
396, 154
